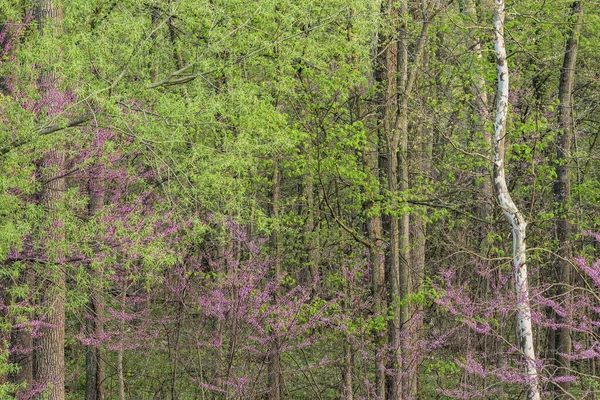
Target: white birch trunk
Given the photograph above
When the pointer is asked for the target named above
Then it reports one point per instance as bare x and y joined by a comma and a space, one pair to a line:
512, 213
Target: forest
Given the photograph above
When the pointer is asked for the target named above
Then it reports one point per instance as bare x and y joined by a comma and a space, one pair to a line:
299, 199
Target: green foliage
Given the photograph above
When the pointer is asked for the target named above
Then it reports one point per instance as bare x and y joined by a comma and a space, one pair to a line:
212, 97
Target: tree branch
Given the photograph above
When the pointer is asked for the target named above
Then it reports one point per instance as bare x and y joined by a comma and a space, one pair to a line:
48, 130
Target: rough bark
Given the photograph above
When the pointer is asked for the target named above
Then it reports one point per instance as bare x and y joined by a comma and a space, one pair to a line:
511, 211
562, 189
49, 362
49, 15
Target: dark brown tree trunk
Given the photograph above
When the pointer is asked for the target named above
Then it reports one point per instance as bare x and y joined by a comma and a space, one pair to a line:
49, 362
173, 38
562, 191
94, 386
394, 384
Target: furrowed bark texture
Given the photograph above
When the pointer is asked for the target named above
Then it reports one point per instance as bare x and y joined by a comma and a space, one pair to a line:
49, 360
49, 357
511, 211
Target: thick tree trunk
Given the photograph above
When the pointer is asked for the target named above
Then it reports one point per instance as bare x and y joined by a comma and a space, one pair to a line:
512, 213
562, 190
49, 362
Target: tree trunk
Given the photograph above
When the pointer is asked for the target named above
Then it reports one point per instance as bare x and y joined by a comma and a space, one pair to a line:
94, 386
562, 190
421, 154
480, 109
406, 82
512, 213
376, 258
311, 237
394, 384
120, 351
49, 362
348, 393
274, 367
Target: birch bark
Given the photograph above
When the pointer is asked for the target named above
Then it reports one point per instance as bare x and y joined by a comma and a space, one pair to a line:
511, 211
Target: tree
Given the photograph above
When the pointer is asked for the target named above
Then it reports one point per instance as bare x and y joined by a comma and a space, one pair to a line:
562, 185
49, 360
293, 199
510, 210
